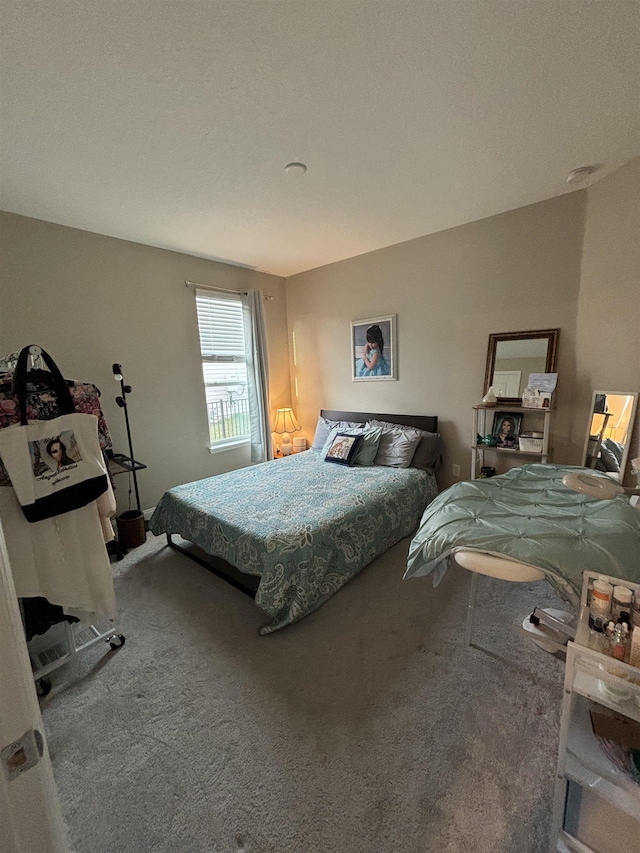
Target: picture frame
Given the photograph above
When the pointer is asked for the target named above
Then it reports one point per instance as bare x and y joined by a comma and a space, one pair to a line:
373, 349
506, 429
343, 449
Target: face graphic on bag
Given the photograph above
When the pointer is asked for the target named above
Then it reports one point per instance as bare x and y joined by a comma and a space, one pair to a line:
54, 454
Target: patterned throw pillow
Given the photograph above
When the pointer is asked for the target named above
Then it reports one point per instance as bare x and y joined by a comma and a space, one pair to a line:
368, 446
342, 448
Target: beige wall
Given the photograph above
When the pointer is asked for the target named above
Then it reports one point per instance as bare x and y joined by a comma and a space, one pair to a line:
450, 291
91, 300
607, 348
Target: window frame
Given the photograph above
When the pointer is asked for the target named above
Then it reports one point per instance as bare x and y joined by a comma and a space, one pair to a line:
213, 296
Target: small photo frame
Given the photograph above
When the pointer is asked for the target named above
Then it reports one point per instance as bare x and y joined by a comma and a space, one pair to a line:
506, 429
343, 449
373, 349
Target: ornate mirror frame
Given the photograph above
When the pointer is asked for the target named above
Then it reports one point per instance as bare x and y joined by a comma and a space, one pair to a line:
595, 431
551, 336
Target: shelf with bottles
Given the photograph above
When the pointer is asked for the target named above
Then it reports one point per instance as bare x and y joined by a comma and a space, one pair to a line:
584, 634
596, 680
599, 676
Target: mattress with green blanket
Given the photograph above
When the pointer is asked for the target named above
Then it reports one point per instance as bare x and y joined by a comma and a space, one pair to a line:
530, 516
305, 526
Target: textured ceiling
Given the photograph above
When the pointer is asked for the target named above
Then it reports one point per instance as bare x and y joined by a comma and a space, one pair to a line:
170, 123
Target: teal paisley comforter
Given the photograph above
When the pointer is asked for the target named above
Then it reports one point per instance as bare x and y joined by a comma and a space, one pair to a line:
303, 525
528, 515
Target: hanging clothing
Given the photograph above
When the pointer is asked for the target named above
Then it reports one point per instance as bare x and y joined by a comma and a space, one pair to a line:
38, 615
62, 559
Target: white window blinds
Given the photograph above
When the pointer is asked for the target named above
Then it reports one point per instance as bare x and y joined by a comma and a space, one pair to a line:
222, 346
220, 325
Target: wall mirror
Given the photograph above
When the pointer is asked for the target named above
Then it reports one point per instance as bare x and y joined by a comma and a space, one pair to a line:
512, 356
611, 420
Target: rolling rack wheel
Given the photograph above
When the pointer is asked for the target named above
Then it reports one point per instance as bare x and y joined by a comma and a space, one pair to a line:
43, 686
117, 641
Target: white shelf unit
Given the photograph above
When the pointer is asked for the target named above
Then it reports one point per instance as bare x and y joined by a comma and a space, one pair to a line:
539, 419
594, 801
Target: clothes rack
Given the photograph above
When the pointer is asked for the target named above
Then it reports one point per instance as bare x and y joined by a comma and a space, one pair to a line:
63, 642
57, 638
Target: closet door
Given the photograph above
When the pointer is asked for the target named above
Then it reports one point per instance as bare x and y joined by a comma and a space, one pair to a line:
30, 816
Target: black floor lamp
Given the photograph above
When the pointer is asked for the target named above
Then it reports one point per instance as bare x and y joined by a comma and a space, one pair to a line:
131, 531
122, 402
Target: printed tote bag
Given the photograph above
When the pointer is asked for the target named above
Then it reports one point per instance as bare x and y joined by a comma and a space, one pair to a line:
55, 466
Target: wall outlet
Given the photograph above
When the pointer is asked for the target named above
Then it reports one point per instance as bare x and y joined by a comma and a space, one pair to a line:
456, 470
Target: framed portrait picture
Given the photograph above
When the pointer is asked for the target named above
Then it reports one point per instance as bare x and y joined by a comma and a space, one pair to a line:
506, 429
343, 449
373, 349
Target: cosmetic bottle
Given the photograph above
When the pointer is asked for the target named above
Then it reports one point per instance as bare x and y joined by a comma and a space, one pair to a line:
619, 641
621, 599
597, 637
601, 593
634, 651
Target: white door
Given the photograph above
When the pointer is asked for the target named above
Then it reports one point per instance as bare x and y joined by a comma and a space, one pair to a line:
30, 815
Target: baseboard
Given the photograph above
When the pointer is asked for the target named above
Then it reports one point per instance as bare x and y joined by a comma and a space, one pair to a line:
148, 513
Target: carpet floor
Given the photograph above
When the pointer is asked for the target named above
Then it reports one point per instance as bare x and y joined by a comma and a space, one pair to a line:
368, 727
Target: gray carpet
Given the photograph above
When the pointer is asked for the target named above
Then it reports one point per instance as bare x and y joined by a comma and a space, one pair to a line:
366, 728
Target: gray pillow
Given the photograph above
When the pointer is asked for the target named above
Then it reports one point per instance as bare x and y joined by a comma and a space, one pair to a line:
615, 447
324, 427
397, 446
608, 456
428, 454
368, 447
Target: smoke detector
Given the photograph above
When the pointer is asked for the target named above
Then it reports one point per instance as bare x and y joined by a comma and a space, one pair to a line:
581, 174
295, 168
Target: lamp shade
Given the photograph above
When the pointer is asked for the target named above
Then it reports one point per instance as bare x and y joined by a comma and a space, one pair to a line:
286, 421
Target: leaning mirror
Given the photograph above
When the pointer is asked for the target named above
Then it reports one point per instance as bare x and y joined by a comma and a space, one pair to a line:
512, 356
611, 419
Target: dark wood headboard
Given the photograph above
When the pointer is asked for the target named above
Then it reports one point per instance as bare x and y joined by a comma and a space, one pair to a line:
429, 423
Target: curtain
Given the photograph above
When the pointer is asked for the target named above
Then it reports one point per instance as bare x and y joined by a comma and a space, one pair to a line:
255, 339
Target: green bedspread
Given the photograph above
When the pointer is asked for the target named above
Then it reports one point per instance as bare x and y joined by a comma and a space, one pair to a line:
304, 526
528, 515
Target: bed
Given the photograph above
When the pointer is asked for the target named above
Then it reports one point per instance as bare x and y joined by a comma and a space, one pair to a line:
527, 525
301, 528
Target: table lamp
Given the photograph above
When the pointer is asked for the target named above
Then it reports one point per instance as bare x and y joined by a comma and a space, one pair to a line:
286, 423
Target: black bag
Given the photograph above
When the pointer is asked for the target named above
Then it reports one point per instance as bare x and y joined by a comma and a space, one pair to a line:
55, 466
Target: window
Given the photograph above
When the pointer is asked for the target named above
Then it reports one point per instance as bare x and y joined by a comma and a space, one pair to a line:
224, 366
